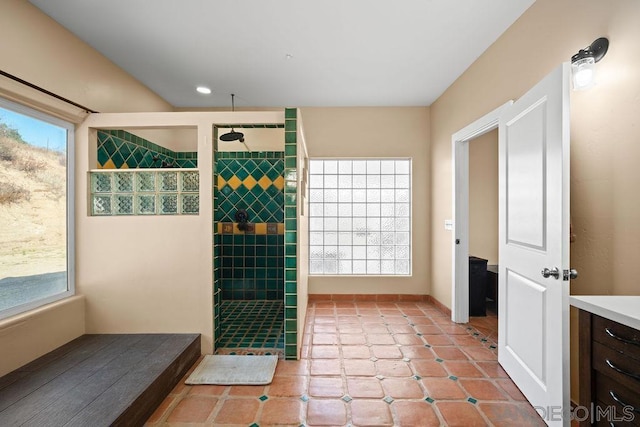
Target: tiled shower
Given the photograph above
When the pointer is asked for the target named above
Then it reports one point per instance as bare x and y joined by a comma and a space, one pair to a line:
255, 270
252, 259
125, 167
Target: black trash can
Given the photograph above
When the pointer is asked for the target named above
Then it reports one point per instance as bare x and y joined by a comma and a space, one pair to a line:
477, 286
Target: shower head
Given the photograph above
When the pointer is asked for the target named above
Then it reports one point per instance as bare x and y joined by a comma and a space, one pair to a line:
232, 136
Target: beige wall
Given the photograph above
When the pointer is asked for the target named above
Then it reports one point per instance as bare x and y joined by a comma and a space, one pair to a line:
28, 336
378, 132
37, 49
604, 148
483, 197
303, 233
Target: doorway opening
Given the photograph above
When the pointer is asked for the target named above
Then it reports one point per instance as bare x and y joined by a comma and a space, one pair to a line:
460, 230
483, 235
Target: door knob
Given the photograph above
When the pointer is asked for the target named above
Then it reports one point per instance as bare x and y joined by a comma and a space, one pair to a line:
553, 272
569, 274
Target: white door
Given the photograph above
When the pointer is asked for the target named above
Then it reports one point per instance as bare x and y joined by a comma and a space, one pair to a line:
533, 312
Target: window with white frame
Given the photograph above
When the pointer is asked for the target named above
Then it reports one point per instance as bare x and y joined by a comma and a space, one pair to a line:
36, 209
360, 216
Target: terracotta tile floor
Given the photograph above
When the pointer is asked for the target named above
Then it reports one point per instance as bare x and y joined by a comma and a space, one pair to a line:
487, 325
368, 364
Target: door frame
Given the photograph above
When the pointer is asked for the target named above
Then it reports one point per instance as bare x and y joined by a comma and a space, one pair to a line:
460, 227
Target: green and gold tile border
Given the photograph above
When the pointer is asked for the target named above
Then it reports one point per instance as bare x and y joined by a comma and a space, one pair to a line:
260, 228
290, 235
119, 149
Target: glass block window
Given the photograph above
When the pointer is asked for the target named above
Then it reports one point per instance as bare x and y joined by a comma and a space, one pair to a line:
360, 216
144, 192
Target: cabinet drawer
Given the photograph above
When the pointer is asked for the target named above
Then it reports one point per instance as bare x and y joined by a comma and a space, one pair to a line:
611, 394
619, 367
616, 336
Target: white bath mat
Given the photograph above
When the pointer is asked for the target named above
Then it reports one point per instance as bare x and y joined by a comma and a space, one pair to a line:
234, 370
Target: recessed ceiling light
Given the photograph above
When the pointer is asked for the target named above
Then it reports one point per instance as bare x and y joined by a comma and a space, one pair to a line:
288, 56
203, 89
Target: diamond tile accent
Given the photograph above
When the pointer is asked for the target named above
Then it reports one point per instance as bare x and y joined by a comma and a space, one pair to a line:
388, 399
472, 400
304, 398
247, 183
119, 149
234, 182
439, 360
347, 398
263, 397
416, 377
265, 182
428, 399
453, 377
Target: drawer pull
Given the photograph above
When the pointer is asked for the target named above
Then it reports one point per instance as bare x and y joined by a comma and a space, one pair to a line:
622, 371
619, 338
622, 403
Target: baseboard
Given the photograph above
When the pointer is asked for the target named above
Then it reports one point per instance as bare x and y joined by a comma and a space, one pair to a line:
440, 306
369, 297
381, 298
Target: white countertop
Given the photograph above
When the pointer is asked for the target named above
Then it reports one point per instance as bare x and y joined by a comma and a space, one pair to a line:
619, 308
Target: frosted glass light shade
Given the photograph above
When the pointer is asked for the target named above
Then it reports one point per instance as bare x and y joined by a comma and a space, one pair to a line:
583, 73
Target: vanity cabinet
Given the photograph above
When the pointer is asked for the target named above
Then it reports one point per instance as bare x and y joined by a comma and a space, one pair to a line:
609, 370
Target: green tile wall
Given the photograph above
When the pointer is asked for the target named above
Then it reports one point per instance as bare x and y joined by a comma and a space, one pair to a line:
290, 214
217, 292
252, 266
251, 181
118, 149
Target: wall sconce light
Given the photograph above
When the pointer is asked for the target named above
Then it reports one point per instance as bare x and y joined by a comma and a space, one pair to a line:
583, 63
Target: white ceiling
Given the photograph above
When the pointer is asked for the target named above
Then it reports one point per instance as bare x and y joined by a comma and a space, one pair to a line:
344, 53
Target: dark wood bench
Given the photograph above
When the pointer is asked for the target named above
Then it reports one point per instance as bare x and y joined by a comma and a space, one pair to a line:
97, 380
